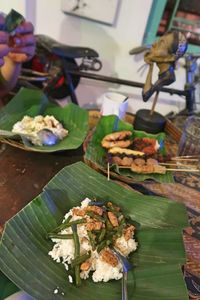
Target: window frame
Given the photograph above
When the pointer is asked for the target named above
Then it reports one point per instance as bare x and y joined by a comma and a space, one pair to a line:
156, 12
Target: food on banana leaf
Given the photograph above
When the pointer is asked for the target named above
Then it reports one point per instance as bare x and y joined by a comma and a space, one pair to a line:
117, 139
31, 126
87, 239
123, 156
147, 145
136, 160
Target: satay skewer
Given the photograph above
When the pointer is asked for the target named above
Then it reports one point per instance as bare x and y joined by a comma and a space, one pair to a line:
159, 171
108, 171
183, 170
181, 165
185, 159
187, 156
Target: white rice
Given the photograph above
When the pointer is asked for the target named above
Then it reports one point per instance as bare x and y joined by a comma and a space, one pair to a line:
31, 126
63, 251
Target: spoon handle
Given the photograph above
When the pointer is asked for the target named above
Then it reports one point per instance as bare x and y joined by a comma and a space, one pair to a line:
124, 286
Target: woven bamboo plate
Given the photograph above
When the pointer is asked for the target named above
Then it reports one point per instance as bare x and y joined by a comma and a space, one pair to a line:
173, 135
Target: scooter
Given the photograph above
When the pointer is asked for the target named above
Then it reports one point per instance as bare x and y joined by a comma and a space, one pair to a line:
50, 68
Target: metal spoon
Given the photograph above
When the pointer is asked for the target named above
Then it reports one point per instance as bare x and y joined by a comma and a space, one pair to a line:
127, 266
47, 137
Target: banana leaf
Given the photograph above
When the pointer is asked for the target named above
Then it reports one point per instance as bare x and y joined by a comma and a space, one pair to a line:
7, 287
33, 102
157, 262
97, 155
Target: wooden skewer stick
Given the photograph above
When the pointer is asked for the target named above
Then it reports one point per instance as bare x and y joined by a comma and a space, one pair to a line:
187, 156
185, 159
183, 170
154, 103
108, 171
175, 164
124, 167
167, 169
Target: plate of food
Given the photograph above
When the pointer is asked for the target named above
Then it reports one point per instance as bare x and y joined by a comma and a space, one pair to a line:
131, 155
60, 246
31, 123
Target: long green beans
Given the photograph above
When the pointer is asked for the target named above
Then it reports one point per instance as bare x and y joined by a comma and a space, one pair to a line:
92, 238
52, 235
103, 245
62, 226
67, 224
95, 216
102, 233
76, 253
80, 259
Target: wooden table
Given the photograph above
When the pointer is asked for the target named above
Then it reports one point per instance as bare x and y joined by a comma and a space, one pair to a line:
23, 175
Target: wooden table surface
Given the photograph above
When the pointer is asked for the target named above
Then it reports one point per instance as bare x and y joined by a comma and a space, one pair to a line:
23, 175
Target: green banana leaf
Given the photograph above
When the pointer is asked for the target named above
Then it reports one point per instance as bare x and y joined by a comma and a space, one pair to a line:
33, 102
96, 154
7, 287
157, 262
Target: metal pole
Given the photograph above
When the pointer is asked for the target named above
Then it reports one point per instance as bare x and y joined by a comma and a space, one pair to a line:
124, 82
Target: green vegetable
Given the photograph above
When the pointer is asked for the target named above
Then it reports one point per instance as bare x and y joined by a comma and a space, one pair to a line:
92, 238
63, 225
59, 236
95, 216
76, 253
102, 235
67, 224
103, 245
80, 259
108, 224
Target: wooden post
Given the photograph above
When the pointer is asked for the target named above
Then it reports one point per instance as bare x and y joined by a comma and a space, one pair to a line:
154, 103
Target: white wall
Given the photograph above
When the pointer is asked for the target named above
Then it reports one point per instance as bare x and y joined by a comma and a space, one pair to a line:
6, 5
111, 42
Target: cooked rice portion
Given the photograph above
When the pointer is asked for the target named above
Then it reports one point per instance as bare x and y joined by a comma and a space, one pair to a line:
32, 125
102, 263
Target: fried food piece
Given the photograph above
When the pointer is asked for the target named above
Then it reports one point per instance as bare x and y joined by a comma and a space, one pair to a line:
123, 156
147, 145
125, 152
108, 256
151, 161
111, 205
95, 209
142, 169
148, 169
125, 161
128, 232
159, 169
113, 219
78, 212
94, 225
85, 265
139, 162
117, 139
